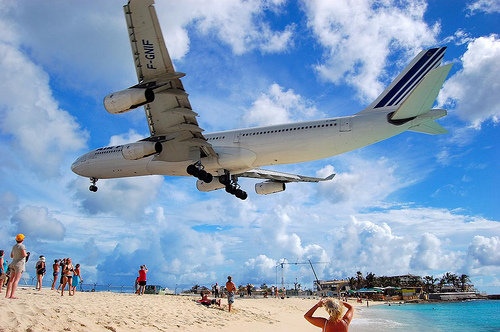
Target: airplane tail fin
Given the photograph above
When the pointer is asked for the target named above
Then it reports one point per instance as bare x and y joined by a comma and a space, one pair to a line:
423, 95
407, 80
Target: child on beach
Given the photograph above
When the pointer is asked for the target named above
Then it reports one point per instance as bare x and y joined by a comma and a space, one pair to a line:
337, 322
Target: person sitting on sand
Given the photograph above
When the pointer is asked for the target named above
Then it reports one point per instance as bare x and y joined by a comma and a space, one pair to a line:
337, 321
205, 300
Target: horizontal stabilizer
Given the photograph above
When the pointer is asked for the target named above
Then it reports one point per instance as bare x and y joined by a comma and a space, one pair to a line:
431, 127
422, 98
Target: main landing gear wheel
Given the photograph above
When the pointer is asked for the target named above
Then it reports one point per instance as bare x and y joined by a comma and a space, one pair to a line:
232, 187
199, 173
93, 187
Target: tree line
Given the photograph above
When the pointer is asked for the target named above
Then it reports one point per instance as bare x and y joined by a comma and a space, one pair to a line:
428, 283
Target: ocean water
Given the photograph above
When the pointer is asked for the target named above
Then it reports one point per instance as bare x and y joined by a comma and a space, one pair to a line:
479, 315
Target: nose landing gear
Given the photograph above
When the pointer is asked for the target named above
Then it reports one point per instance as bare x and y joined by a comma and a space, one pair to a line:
197, 171
93, 187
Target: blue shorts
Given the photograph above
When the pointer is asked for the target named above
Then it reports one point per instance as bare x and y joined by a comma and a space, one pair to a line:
230, 297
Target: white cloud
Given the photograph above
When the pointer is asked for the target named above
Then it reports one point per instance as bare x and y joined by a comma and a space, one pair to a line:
359, 39
484, 251
127, 198
368, 246
260, 268
487, 6
474, 88
37, 223
239, 24
279, 106
429, 255
31, 120
365, 183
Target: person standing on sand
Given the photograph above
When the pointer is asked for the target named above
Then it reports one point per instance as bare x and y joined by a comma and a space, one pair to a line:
216, 292
337, 322
40, 272
231, 290
17, 266
77, 278
142, 279
3, 269
55, 273
62, 265
67, 275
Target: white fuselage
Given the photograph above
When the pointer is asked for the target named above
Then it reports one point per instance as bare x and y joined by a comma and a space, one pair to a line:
245, 149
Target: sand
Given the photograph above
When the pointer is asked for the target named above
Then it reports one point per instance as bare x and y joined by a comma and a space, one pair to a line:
46, 310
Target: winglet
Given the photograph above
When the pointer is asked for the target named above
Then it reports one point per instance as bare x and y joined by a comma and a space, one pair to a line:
329, 177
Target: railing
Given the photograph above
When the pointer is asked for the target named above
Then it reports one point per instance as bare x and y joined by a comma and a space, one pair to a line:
82, 287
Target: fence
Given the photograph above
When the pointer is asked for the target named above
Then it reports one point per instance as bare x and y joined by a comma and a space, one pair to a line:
82, 287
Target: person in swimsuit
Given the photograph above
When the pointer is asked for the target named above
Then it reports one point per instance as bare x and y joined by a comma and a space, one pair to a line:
3, 269
17, 266
67, 274
55, 273
337, 322
205, 300
77, 278
40, 272
231, 290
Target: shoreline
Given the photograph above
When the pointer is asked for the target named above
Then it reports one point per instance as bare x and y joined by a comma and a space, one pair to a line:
106, 311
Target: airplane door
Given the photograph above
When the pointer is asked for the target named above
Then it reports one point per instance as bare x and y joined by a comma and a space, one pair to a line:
345, 124
236, 138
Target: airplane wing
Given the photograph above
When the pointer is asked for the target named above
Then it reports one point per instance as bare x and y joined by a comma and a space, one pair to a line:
170, 117
259, 173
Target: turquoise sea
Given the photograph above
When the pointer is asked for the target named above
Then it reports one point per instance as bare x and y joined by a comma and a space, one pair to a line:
479, 315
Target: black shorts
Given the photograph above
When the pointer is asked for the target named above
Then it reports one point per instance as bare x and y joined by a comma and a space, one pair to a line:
142, 283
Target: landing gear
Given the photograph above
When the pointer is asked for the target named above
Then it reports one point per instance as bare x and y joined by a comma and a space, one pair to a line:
93, 187
232, 186
197, 171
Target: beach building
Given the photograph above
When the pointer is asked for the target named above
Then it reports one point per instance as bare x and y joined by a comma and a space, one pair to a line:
332, 288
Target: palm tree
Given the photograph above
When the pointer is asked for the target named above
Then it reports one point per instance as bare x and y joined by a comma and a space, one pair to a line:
360, 279
430, 283
464, 280
370, 280
352, 283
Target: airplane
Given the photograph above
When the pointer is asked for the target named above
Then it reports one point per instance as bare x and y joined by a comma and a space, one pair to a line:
178, 146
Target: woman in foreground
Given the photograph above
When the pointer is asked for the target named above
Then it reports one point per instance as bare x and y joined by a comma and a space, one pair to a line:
337, 321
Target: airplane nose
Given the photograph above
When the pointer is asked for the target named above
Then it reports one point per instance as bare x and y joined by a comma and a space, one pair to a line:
78, 164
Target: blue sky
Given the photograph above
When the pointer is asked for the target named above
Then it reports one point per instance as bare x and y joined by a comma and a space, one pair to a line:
412, 204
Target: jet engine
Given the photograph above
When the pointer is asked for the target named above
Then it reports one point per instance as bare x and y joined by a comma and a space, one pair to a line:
126, 100
269, 187
139, 150
214, 185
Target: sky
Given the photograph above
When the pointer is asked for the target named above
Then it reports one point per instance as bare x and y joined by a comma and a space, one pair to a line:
415, 203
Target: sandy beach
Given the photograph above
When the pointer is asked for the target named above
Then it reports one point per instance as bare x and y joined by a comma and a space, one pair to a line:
103, 311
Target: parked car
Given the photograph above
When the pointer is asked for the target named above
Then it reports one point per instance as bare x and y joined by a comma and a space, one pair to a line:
154, 289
